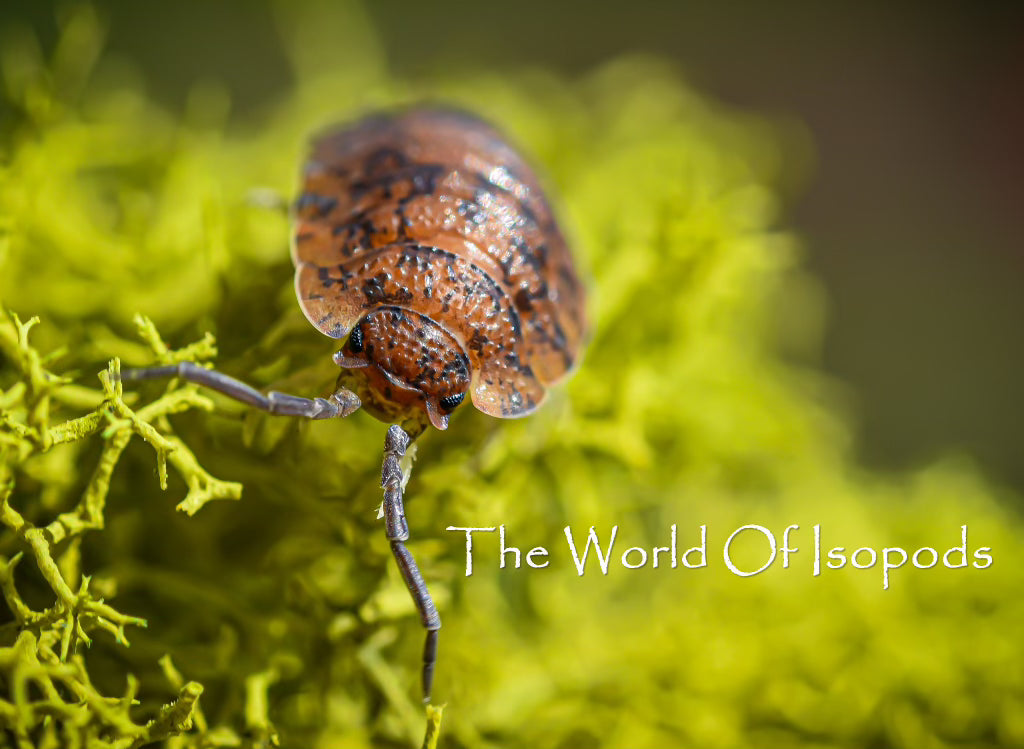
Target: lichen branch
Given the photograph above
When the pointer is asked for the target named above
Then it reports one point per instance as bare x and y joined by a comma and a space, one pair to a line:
46, 677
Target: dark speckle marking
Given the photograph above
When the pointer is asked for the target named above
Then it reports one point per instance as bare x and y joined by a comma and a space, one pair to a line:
523, 301
385, 160
375, 291
477, 342
320, 204
325, 277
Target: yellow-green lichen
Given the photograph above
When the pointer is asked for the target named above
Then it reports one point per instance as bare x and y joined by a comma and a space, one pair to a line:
52, 699
286, 607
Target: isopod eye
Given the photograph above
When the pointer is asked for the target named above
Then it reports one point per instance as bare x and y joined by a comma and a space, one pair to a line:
449, 402
355, 340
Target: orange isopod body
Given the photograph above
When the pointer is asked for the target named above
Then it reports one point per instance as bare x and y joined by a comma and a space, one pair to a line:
426, 239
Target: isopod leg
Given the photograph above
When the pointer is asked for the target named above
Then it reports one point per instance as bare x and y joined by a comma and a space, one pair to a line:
342, 403
397, 530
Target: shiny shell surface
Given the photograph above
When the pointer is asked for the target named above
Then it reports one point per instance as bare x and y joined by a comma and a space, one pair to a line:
426, 239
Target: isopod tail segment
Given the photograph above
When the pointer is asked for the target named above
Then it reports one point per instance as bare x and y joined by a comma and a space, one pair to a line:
342, 403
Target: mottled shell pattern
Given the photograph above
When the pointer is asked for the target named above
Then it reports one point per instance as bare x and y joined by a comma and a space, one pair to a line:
423, 237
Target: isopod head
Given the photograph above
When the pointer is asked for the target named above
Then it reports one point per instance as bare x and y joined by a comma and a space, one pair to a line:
408, 363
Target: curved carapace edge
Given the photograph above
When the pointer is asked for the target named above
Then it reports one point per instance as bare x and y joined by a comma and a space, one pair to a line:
424, 237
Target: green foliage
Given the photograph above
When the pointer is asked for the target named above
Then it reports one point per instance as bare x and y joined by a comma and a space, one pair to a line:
45, 656
285, 606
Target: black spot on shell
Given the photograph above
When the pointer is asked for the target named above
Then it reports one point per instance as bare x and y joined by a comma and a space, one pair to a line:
523, 301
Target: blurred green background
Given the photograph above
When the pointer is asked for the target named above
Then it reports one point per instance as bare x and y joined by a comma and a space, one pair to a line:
911, 205
873, 147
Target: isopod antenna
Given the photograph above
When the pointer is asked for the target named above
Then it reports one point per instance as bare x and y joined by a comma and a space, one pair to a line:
340, 404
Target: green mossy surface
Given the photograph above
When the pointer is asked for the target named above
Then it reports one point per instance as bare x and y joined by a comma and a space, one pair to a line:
279, 617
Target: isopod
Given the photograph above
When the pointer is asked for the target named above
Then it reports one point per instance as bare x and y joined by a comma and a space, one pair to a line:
425, 241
